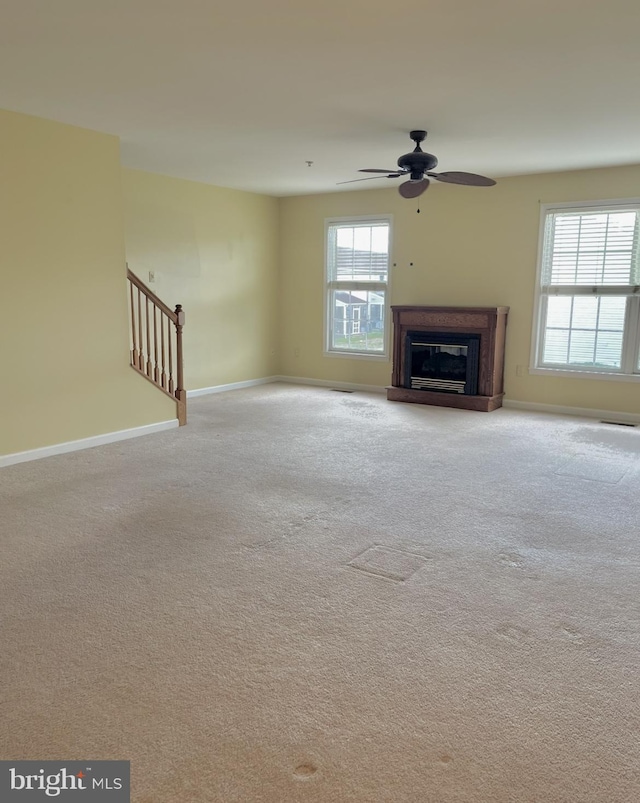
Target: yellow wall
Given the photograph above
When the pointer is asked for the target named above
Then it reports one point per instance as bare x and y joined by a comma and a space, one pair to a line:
469, 247
249, 271
64, 346
215, 251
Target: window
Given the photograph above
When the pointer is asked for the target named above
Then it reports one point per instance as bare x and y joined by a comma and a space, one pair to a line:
357, 286
589, 294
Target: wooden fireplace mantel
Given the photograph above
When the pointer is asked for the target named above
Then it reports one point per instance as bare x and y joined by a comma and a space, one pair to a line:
488, 322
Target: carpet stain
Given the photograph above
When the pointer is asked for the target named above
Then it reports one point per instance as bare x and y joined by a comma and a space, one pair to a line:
305, 770
291, 529
613, 440
512, 559
295, 525
445, 758
571, 634
361, 408
513, 632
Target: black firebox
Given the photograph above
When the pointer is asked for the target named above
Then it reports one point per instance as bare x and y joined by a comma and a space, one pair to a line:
446, 363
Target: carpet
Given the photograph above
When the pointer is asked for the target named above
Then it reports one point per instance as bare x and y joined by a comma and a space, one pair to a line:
307, 596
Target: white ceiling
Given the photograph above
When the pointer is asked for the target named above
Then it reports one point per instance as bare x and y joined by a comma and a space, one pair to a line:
241, 93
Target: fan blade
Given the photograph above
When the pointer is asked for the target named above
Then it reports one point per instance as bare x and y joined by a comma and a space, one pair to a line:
411, 189
374, 170
469, 179
370, 178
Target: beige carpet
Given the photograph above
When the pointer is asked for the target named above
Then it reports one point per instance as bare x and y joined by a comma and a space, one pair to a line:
224, 605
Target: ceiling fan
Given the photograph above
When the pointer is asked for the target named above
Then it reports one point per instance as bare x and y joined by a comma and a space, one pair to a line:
418, 166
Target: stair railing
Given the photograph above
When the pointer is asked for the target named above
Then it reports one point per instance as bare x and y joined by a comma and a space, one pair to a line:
156, 342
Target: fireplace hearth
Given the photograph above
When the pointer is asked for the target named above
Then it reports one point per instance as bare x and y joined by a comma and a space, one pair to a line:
449, 356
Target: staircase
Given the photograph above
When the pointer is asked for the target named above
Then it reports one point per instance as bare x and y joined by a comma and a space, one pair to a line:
156, 343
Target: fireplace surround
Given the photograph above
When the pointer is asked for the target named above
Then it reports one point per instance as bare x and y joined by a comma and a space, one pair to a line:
449, 356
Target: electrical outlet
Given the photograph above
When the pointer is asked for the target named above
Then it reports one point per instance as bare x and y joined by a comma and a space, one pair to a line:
152, 276
519, 370
296, 352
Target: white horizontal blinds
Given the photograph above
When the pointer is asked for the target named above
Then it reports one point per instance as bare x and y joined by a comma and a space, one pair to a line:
359, 253
591, 251
590, 268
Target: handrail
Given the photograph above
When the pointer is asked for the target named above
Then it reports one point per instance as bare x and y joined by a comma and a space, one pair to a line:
151, 295
154, 341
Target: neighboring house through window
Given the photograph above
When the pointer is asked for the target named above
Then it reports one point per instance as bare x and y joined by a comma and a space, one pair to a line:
588, 303
357, 281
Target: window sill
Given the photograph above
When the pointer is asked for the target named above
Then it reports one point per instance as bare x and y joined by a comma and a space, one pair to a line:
566, 373
357, 355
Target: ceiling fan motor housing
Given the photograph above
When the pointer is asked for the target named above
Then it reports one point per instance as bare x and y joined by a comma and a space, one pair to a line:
417, 163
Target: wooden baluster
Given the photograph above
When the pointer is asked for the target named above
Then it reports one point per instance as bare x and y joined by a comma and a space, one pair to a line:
134, 350
156, 370
163, 375
170, 386
158, 365
141, 352
148, 339
180, 392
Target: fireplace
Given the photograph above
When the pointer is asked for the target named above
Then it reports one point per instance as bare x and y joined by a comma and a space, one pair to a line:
449, 356
441, 362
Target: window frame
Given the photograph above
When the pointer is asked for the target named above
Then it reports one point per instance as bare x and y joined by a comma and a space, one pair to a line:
630, 357
330, 285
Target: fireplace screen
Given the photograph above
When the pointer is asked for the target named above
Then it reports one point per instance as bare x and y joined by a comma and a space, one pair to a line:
446, 363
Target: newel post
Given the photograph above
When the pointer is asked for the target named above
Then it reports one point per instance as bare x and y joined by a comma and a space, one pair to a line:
180, 392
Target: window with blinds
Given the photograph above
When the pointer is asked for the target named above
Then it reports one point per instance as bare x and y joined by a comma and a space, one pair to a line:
589, 291
357, 280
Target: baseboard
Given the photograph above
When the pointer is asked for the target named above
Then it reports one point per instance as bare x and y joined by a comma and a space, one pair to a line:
583, 412
248, 383
328, 383
293, 380
85, 443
